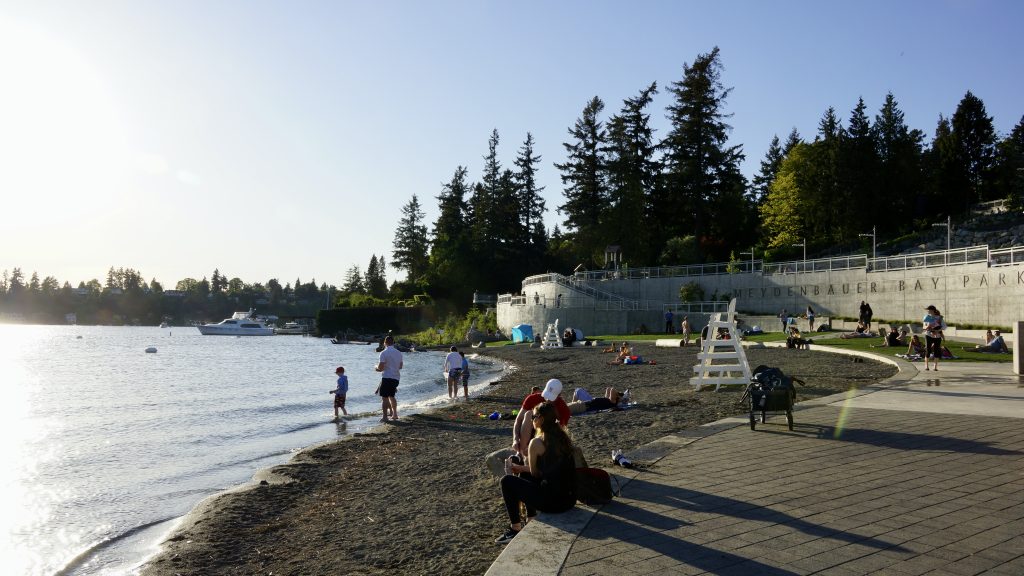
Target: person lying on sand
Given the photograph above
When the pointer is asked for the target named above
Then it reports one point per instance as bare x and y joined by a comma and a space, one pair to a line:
582, 401
610, 349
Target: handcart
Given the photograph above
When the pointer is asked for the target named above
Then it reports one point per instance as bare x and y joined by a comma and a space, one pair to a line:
770, 390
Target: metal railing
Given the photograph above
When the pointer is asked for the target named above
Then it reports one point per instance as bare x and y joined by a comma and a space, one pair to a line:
702, 307
817, 265
956, 256
930, 259
1006, 256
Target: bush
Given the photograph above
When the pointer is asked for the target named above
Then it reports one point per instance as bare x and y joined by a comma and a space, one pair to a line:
453, 329
691, 292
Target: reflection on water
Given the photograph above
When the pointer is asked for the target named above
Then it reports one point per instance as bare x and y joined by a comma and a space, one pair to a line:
106, 440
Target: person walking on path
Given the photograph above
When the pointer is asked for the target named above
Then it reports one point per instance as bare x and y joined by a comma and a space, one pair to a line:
933, 327
390, 365
340, 392
785, 321
866, 314
669, 326
810, 319
453, 371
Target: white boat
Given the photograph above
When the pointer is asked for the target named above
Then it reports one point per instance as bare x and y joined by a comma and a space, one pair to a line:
291, 328
164, 324
240, 324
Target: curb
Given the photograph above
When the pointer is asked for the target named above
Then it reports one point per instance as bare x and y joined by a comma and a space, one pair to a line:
541, 548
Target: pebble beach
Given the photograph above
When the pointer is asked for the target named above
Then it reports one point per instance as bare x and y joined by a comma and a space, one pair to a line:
415, 496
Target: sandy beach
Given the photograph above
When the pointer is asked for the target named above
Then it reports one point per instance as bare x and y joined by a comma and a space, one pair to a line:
414, 497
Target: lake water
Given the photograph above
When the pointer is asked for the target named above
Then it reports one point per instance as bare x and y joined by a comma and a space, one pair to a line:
110, 445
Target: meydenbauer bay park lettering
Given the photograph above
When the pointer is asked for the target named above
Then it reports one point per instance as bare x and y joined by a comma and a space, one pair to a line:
965, 281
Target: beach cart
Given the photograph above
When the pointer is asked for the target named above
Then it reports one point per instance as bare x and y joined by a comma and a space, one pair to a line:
770, 390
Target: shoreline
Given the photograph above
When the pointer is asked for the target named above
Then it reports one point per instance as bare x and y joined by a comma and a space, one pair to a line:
415, 495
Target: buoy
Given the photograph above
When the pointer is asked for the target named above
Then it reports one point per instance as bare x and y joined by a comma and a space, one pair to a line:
151, 350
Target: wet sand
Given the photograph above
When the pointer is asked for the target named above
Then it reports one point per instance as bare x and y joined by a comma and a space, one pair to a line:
414, 496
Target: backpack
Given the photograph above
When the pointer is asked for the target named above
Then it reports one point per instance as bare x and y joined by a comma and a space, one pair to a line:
594, 486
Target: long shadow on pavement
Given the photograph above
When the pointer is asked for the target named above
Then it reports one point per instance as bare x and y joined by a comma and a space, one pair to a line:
646, 529
703, 502
897, 440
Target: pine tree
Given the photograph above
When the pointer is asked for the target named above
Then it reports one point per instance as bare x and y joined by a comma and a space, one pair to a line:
858, 167
375, 281
531, 204
900, 180
583, 178
354, 281
410, 247
791, 141
701, 170
975, 138
769, 168
1009, 176
632, 178
948, 182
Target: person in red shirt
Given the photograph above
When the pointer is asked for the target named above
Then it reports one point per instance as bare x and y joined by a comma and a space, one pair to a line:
522, 430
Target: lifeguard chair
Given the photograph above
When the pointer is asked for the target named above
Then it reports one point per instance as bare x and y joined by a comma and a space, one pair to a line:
551, 337
732, 367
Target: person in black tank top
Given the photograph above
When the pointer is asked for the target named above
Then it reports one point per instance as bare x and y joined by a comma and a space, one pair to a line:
548, 480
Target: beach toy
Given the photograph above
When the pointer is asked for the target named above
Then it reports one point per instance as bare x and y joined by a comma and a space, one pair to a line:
481, 415
495, 415
515, 411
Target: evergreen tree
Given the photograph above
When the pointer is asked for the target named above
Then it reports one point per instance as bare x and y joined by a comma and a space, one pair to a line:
769, 168
975, 138
451, 249
632, 177
1009, 177
900, 179
531, 204
701, 170
858, 167
376, 281
411, 245
949, 184
583, 178
791, 141
354, 281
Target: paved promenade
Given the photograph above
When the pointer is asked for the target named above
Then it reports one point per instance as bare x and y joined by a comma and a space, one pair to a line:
923, 477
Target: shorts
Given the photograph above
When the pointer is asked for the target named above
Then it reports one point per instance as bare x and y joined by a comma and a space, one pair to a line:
465, 377
388, 387
455, 374
339, 400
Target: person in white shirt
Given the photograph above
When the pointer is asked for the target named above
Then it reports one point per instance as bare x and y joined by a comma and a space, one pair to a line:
389, 364
453, 371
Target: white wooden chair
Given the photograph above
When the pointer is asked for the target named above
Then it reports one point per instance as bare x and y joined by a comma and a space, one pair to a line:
551, 339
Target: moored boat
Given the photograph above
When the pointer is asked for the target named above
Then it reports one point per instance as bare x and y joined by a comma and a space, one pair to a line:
291, 328
240, 324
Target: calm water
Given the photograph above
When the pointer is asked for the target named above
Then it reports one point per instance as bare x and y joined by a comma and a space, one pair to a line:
110, 444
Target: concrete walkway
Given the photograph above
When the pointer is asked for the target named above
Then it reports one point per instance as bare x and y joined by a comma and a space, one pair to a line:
922, 476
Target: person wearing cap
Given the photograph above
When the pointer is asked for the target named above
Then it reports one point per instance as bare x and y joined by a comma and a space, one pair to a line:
340, 392
453, 371
522, 430
933, 327
390, 365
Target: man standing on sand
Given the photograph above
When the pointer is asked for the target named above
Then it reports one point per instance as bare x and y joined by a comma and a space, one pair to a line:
453, 371
389, 364
669, 325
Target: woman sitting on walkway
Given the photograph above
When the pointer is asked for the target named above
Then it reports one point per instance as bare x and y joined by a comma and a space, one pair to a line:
548, 481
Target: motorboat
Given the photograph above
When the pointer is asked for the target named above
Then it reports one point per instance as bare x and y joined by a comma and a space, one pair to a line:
291, 328
240, 324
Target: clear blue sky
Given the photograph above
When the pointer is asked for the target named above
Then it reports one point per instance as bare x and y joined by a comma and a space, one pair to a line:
280, 139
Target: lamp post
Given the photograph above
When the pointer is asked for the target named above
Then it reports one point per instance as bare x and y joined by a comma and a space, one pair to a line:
752, 258
949, 230
874, 253
804, 245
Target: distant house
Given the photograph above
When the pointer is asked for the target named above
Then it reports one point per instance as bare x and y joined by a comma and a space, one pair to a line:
80, 291
174, 293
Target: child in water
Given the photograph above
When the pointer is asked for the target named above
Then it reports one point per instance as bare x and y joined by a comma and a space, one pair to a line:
340, 392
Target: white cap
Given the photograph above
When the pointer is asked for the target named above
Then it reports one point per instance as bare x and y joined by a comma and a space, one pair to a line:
552, 389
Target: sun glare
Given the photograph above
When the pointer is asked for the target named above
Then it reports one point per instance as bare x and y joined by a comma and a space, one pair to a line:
62, 149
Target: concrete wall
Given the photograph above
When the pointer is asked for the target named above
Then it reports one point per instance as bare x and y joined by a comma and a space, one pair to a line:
966, 293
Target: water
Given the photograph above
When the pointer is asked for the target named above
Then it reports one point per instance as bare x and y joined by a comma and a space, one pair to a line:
110, 444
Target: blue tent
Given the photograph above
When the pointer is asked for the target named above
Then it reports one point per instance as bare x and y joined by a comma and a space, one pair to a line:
522, 333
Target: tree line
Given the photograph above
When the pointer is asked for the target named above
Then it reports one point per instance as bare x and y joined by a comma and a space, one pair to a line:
681, 198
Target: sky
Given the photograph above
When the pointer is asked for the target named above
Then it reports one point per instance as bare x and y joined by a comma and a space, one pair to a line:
281, 139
